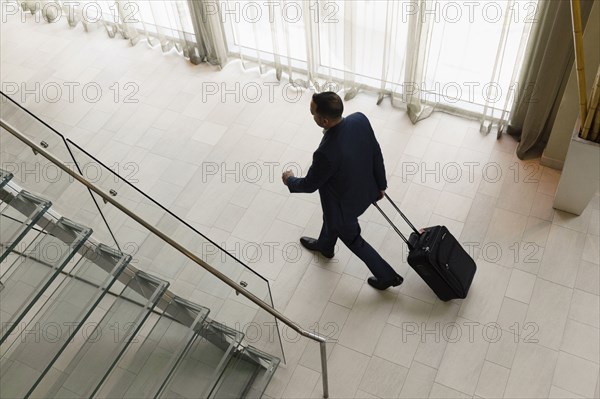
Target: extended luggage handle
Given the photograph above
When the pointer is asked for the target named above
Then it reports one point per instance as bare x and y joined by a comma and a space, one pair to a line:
410, 246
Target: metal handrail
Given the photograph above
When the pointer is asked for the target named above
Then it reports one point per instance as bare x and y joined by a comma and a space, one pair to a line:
238, 288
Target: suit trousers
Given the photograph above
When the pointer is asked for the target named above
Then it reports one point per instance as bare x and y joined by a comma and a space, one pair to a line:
349, 233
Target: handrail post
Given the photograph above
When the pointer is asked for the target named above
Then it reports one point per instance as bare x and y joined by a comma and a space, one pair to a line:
323, 348
324, 374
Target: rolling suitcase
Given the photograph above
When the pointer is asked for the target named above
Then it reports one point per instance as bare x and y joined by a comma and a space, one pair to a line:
438, 258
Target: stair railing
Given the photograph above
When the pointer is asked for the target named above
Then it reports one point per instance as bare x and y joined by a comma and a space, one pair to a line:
180, 248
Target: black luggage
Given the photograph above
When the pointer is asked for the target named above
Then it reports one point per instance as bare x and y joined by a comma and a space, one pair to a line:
437, 256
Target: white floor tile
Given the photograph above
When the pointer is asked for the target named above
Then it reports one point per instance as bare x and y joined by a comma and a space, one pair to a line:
512, 318
461, 181
383, 378
417, 146
503, 351
548, 310
301, 384
367, 319
594, 227
439, 391
453, 206
562, 256
398, 344
486, 293
578, 223
520, 286
464, 357
585, 308
492, 381
432, 345
532, 363
542, 207
259, 216
591, 249
576, 375
419, 381
478, 221
311, 296
588, 277
364, 395
506, 229
559, 393
581, 340
296, 211
346, 291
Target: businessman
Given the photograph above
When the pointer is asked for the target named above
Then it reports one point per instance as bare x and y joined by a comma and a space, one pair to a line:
348, 171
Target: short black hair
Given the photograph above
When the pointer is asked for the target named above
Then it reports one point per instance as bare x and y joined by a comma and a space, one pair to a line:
329, 104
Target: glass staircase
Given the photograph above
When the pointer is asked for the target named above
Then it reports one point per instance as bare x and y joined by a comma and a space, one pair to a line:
81, 317
78, 320
86, 305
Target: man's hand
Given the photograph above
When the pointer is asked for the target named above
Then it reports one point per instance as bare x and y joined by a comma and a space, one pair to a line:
285, 176
381, 194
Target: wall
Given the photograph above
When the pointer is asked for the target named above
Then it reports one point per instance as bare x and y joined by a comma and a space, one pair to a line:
568, 112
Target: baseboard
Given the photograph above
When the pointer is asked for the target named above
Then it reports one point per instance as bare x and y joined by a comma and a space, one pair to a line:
552, 163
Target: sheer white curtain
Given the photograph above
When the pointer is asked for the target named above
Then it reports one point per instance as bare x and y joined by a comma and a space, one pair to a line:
323, 44
170, 24
460, 56
417, 51
519, 18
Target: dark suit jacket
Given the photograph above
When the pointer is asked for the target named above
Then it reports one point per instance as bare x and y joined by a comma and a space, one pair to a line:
347, 169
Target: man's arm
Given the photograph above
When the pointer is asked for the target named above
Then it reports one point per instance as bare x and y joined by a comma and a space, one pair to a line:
378, 166
320, 171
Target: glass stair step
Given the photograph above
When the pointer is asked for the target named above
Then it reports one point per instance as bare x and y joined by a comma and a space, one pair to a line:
247, 375
26, 360
36, 268
24, 245
149, 361
107, 342
17, 217
5, 177
203, 362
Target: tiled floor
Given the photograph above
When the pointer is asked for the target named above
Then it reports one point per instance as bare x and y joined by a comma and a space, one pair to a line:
530, 325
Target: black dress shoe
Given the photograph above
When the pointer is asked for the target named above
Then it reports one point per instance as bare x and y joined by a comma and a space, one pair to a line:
384, 285
311, 244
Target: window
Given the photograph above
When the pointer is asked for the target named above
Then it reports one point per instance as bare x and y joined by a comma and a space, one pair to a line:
472, 55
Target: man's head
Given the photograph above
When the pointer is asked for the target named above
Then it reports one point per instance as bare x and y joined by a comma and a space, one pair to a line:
327, 109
